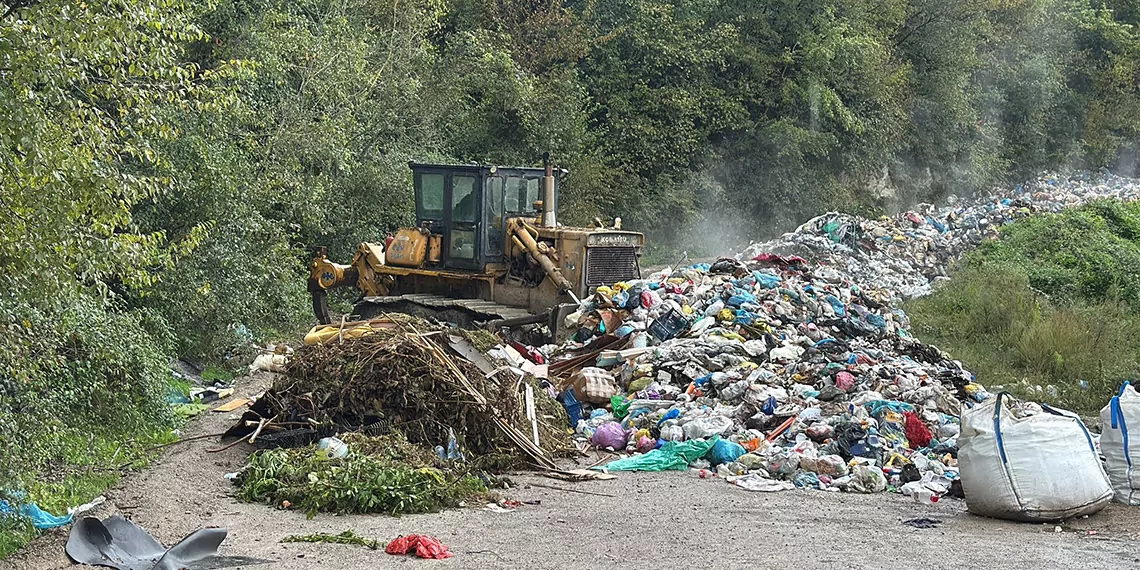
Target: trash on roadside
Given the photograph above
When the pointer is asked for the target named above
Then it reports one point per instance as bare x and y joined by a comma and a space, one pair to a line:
422, 545
233, 405
41, 519
331, 448
790, 365
273, 358
1035, 463
116, 542
923, 522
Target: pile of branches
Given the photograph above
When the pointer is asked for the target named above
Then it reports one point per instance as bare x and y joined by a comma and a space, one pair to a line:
405, 379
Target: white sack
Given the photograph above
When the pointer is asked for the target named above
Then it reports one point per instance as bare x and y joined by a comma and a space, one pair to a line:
1038, 468
1120, 453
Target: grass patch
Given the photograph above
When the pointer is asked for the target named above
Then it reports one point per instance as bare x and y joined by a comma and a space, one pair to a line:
87, 465
346, 537
1049, 312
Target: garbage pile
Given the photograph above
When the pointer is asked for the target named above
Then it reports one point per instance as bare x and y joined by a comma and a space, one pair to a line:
791, 365
776, 378
907, 253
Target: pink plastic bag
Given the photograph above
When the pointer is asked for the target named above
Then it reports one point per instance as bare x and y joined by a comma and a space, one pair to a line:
845, 381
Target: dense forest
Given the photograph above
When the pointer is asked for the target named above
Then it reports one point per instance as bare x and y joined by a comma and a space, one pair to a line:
167, 164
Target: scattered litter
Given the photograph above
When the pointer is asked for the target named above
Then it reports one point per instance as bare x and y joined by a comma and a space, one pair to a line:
421, 545
233, 405
119, 543
923, 523
40, 518
757, 482
273, 358
210, 394
331, 448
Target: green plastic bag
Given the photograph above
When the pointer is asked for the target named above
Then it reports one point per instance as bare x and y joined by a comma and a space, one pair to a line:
832, 229
672, 456
620, 406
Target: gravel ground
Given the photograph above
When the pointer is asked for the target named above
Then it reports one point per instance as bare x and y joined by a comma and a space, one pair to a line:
653, 519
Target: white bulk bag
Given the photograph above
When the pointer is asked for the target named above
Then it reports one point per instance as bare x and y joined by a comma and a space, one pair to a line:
1037, 468
1121, 412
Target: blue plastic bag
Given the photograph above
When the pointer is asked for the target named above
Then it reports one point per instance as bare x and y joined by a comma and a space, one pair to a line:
724, 451
40, 518
766, 280
741, 298
837, 305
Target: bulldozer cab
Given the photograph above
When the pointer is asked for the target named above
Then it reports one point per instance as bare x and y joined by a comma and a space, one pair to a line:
469, 206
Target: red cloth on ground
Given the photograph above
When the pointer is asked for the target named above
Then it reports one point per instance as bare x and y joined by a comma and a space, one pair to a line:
916, 432
421, 545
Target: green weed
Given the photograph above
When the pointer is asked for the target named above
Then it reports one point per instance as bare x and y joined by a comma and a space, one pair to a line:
358, 483
346, 537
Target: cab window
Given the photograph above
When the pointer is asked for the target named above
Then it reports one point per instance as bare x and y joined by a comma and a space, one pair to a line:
520, 194
431, 196
494, 208
463, 207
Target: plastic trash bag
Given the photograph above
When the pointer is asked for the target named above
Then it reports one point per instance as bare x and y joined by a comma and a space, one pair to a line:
610, 435
646, 444
725, 451
672, 456
706, 427
41, 519
830, 465
804, 478
756, 482
866, 479
672, 432
422, 545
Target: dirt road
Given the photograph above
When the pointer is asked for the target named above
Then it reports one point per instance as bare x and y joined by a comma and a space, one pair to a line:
662, 520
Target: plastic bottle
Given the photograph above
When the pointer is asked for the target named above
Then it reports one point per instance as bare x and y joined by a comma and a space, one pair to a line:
925, 496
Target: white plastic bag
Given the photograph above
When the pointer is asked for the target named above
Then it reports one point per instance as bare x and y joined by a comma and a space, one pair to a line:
1038, 468
706, 427
1119, 453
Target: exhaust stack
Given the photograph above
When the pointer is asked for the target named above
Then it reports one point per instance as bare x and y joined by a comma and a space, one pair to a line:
549, 219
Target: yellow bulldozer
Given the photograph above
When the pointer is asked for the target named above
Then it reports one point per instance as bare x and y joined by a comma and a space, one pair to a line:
487, 251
